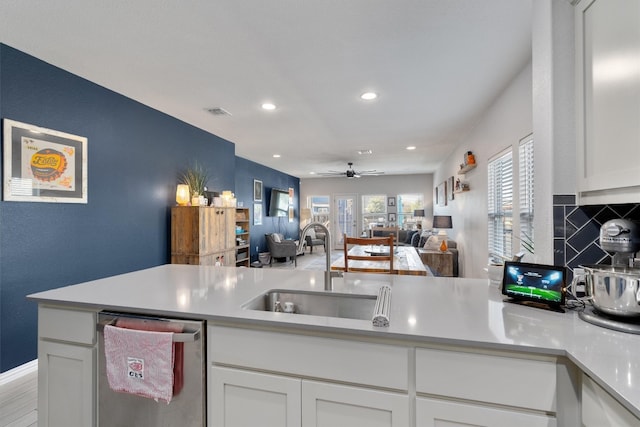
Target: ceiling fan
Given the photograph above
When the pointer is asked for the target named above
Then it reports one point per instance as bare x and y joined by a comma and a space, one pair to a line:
352, 173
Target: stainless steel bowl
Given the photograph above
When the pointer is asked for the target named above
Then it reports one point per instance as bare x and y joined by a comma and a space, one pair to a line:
614, 290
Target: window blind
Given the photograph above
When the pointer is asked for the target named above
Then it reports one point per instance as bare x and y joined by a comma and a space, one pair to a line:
500, 204
525, 196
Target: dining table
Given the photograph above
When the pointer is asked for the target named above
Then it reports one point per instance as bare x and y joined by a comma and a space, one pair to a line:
406, 260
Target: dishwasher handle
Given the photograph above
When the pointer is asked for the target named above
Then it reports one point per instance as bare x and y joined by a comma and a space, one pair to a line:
189, 336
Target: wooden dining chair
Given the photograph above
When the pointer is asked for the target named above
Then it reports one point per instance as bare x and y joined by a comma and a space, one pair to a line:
371, 241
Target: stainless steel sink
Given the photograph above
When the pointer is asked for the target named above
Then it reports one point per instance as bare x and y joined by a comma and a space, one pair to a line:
349, 306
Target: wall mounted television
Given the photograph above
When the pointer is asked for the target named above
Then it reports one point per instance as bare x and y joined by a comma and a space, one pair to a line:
279, 203
535, 284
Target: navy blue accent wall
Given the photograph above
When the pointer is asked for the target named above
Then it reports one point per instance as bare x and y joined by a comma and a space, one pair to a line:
135, 154
246, 172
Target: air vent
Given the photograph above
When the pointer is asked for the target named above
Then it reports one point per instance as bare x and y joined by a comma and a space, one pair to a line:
217, 111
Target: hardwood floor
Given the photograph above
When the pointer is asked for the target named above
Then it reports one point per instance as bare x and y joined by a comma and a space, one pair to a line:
19, 396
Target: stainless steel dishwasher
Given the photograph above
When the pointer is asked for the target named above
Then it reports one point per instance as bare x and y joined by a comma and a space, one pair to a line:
186, 409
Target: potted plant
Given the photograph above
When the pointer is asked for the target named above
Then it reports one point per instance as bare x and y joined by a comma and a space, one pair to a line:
196, 178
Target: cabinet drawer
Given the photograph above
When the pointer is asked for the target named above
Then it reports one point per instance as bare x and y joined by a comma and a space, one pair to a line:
599, 409
503, 380
309, 356
67, 325
435, 412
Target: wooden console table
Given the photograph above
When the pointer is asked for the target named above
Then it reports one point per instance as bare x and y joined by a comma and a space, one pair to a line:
440, 263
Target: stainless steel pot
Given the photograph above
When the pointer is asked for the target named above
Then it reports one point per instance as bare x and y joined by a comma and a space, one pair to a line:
614, 290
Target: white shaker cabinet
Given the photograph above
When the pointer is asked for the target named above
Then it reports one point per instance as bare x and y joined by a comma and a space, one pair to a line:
330, 405
608, 101
489, 389
241, 398
599, 409
66, 368
436, 413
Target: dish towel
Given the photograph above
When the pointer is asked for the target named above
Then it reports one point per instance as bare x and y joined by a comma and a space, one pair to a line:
139, 362
178, 347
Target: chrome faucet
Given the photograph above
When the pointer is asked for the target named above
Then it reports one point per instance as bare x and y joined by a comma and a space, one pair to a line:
328, 285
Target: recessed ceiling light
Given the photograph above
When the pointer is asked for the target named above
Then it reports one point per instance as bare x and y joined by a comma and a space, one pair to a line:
277, 156
365, 151
268, 106
312, 173
411, 147
368, 96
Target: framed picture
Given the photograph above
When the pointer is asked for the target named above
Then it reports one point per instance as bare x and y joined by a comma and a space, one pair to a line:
43, 165
291, 193
257, 214
450, 184
391, 217
441, 194
291, 214
257, 190
391, 201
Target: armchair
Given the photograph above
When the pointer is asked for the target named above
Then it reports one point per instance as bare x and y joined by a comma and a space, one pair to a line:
281, 248
314, 239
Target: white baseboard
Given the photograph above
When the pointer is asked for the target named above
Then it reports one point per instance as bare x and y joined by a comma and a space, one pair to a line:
18, 372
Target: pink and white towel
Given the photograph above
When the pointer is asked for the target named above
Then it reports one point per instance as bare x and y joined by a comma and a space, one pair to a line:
140, 362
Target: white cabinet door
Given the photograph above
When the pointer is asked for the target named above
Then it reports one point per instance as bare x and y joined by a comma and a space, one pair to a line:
242, 398
608, 101
599, 409
332, 405
436, 413
66, 385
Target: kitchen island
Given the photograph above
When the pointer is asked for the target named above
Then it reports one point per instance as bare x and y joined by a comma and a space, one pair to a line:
454, 350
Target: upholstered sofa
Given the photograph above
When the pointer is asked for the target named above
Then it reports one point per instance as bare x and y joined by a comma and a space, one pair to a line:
400, 237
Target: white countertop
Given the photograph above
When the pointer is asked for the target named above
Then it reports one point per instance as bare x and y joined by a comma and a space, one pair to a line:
429, 309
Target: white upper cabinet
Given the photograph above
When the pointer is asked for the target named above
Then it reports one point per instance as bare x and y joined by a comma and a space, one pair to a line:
608, 101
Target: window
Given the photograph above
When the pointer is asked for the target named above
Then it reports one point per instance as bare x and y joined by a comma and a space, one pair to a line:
374, 211
407, 203
525, 196
500, 204
319, 208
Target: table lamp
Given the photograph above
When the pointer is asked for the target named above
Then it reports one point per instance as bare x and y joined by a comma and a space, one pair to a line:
418, 213
442, 222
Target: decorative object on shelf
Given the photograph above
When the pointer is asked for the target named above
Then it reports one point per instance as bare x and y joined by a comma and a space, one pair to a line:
43, 165
460, 186
228, 199
442, 222
182, 195
469, 163
257, 190
257, 213
196, 178
469, 158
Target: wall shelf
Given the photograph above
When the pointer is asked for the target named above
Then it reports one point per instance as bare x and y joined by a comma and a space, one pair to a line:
466, 168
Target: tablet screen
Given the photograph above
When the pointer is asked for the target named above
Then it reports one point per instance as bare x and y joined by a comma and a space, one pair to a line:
534, 282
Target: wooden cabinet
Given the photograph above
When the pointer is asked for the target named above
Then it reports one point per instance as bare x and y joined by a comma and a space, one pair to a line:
242, 237
608, 101
66, 368
440, 263
599, 409
203, 235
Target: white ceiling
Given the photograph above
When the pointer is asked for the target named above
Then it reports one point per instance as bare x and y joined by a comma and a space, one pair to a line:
436, 65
